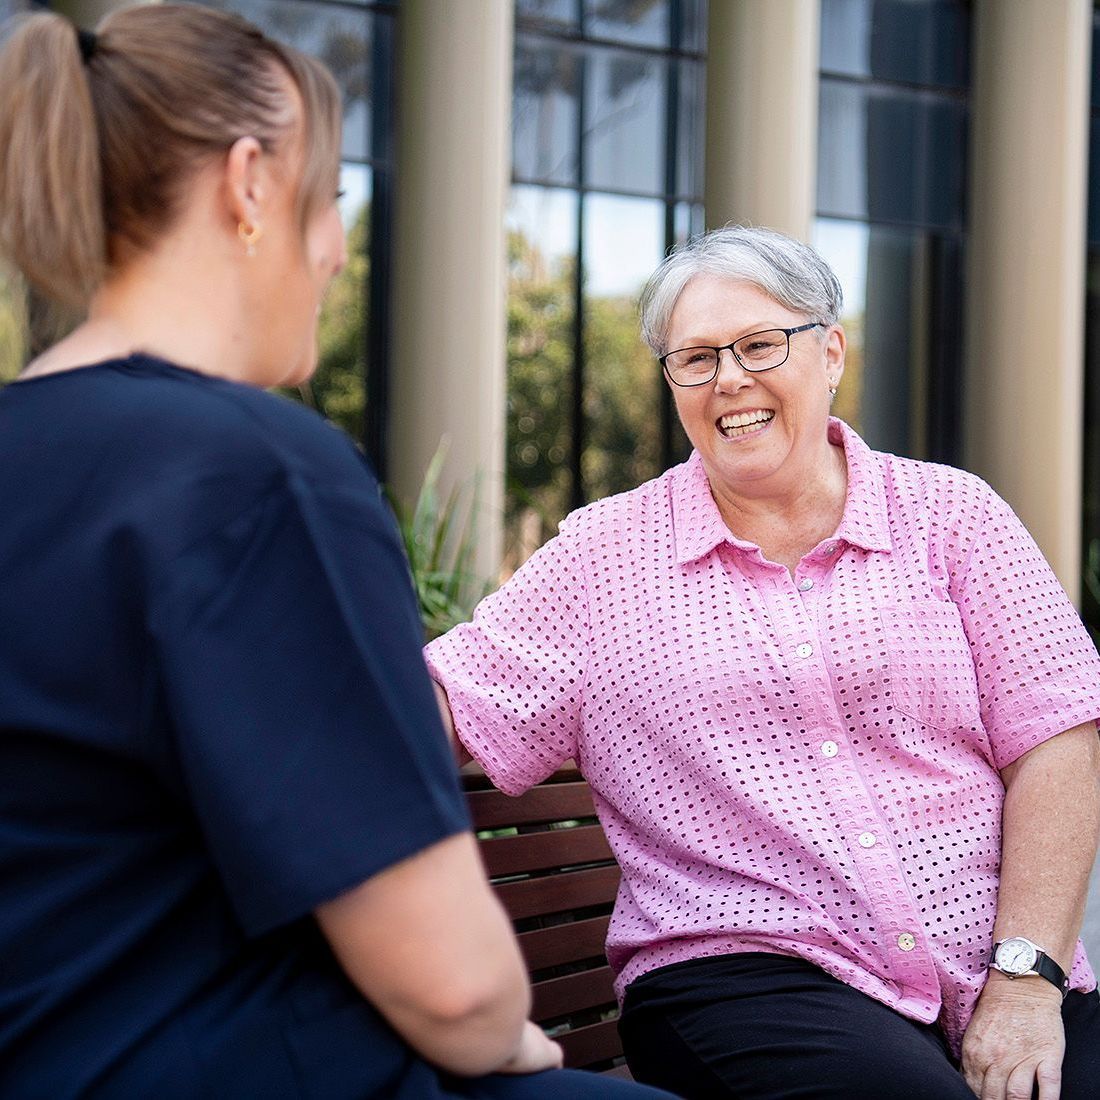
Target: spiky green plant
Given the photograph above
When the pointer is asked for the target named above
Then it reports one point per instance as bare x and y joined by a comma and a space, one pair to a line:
440, 537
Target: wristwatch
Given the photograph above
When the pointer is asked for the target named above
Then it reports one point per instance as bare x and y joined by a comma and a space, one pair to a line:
1019, 958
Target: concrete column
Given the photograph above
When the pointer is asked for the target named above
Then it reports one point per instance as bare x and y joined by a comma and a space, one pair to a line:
1025, 277
762, 83
454, 64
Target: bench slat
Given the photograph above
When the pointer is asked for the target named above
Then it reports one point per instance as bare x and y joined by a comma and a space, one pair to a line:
535, 897
511, 855
546, 803
594, 1043
564, 943
573, 993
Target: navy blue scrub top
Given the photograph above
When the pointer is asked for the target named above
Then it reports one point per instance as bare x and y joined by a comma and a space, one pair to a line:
214, 715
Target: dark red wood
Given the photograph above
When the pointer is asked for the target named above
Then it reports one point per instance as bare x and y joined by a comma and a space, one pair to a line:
559, 893
545, 803
511, 855
594, 1043
573, 993
564, 943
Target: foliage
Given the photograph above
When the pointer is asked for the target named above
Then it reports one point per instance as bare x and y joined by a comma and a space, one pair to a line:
439, 543
337, 387
13, 334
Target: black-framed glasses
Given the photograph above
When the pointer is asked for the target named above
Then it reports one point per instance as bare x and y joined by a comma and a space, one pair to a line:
759, 351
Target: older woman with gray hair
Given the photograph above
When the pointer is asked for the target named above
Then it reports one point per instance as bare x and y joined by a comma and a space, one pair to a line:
838, 717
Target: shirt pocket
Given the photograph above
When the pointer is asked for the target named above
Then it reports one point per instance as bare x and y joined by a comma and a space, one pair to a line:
931, 670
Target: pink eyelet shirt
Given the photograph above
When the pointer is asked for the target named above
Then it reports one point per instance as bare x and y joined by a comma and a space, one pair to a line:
805, 765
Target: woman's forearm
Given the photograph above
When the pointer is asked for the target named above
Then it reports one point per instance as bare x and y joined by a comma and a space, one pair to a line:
1051, 823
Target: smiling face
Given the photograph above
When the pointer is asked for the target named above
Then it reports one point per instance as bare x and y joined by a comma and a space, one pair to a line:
757, 433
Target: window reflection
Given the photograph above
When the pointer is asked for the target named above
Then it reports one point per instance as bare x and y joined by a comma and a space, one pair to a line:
891, 155
544, 111
338, 388
339, 36
909, 41
902, 386
623, 243
640, 22
13, 336
691, 138
553, 14
542, 235
625, 121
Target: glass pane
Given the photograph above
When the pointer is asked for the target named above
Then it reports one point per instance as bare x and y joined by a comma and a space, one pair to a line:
559, 15
338, 387
624, 130
339, 36
8, 8
692, 31
689, 220
1090, 589
691, 132
643, 22
544, 112
542, 263
1094, 173
902, 378
909, 41
890, 155
623, 243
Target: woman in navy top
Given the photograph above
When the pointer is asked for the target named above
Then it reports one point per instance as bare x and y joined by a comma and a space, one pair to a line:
234, 857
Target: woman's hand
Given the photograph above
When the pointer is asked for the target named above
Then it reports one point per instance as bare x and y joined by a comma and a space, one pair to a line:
1015, 1040
535, 1052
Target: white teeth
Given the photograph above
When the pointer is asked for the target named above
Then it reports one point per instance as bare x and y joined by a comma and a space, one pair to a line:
738, 421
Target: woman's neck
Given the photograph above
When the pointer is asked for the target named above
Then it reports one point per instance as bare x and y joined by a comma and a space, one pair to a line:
788, 519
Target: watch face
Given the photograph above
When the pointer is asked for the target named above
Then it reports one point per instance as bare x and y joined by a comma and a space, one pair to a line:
1016, 956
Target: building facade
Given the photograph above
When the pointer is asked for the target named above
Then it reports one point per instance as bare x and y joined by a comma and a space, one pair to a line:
514, 169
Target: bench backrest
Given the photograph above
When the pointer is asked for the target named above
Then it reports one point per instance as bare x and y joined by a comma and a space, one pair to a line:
551, 867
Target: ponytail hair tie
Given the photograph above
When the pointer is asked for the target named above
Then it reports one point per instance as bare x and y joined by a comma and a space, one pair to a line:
87, 41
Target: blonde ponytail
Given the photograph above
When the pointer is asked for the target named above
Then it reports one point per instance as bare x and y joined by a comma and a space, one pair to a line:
52, 225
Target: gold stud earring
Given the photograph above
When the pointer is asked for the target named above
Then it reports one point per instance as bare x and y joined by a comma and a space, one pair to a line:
250, 235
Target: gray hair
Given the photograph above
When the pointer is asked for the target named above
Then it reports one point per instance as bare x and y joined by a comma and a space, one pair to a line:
786, 269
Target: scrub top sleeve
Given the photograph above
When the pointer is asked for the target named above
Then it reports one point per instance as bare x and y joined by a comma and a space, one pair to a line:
306, 728
515, 676
1038, 672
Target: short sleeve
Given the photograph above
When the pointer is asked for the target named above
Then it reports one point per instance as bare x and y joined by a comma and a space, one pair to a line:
1037, 669
515, 676
306, 729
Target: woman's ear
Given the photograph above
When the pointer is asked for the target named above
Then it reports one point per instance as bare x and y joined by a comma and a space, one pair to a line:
836, 344
245, 185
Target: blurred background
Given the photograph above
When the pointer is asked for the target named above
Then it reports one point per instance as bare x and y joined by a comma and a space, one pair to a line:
514, 169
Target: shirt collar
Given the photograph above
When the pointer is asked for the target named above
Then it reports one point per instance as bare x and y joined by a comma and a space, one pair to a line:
699, 526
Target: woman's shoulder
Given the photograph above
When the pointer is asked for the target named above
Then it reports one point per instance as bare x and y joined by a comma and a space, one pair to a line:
627, 511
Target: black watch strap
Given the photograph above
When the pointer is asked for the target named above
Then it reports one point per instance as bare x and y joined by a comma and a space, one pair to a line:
1047, 968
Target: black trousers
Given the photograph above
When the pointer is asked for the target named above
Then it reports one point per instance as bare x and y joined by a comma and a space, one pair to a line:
769, 1027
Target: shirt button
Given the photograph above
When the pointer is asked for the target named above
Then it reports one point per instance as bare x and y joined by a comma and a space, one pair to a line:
805, 584
867, 840
831, 548
829, 748
804, 650
906, 941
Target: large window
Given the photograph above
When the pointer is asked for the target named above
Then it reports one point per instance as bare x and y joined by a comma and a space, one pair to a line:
355, 40
891, 213
607, 175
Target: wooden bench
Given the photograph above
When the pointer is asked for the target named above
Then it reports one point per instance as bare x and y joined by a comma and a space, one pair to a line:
551, 867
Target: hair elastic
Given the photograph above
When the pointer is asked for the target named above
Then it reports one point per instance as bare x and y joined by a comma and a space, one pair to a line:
87, 41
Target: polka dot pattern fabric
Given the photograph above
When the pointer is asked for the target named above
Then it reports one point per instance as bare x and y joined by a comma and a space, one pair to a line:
809, 764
